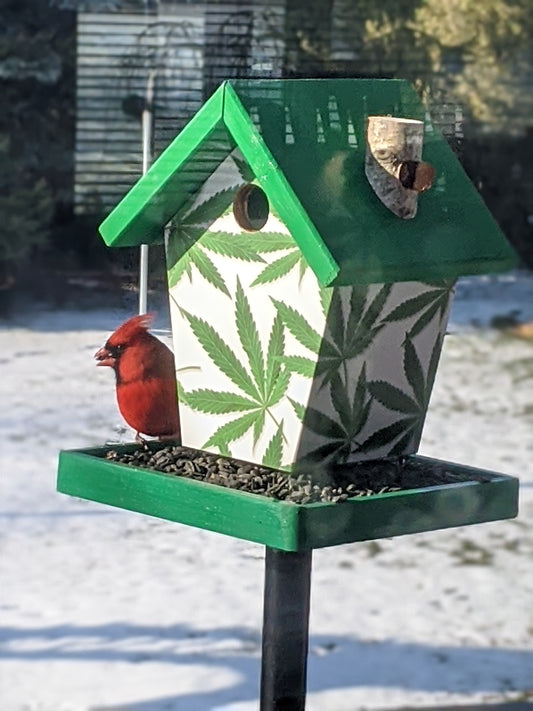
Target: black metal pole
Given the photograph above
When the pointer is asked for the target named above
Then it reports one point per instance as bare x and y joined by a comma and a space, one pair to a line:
285, 630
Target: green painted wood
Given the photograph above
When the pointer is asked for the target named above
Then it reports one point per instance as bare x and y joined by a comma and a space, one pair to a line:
284, 525
453, 233
305, 142
415, 511
177, 499
177, 174
278, 189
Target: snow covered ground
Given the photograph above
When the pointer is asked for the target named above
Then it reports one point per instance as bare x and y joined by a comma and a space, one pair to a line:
104, 609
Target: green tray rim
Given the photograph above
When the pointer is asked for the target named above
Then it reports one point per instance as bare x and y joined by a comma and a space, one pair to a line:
284, 525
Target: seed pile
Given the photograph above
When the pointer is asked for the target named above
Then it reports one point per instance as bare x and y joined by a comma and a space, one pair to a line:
222, 471
342, 483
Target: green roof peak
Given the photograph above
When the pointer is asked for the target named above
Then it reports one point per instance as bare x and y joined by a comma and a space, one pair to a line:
304, 140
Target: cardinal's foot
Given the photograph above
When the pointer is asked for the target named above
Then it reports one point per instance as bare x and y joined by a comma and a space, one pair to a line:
140, 440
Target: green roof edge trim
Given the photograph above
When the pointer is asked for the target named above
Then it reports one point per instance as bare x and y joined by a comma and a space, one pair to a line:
224, 122
129, 224
285, 525
278, 189
424, 272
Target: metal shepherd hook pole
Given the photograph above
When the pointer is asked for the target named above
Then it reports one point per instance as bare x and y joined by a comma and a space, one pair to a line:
147, 132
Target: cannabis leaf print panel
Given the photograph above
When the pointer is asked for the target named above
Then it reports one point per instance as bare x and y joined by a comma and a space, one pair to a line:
261, 384
274, 369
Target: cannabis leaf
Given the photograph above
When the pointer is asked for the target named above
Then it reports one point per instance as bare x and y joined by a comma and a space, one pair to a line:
266, 242
411, 407
245, 247
275, 350
427, 304
299, 409
279, 268
353, 414
262, 381
182, 395
249, 337
197, 220
393, 398
274, 451
402, 429
221, 354
298, 326
326, 294
346, 337
231, 431
207, 269
190, 243
244, 169
227, 244
349, 336
181, 266
274, 242
190, 238
300, 365
218, 402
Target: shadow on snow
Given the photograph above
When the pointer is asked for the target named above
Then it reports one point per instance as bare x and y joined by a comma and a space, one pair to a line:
334, 661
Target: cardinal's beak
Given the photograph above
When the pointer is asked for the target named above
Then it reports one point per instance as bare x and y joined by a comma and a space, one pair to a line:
104, 357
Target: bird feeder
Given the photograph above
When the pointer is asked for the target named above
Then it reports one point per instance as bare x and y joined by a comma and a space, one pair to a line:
314, 233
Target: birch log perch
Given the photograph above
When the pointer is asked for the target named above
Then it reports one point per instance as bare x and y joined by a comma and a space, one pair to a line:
393, 163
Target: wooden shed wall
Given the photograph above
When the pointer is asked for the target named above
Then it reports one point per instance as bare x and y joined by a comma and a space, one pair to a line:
115, 56
191, 47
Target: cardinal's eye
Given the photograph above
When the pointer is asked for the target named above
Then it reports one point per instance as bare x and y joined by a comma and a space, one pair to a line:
114, 350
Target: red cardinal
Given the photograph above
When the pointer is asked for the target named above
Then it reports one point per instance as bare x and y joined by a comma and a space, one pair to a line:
146, 378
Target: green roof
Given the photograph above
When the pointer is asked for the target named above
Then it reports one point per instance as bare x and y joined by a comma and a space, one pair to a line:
304, 140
